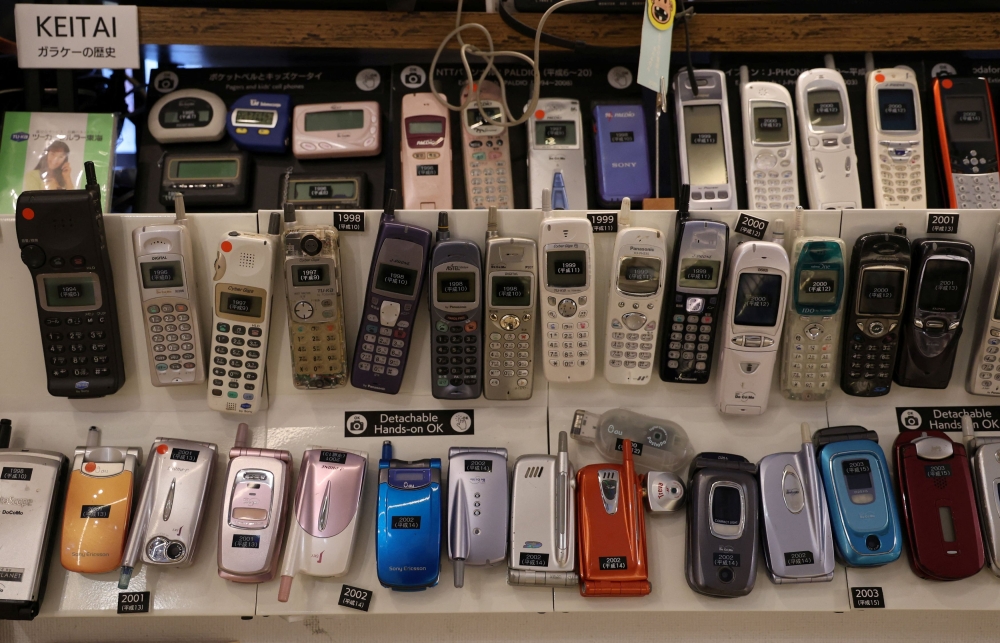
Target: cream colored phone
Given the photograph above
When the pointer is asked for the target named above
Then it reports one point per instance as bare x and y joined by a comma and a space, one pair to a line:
896, 139
425, 153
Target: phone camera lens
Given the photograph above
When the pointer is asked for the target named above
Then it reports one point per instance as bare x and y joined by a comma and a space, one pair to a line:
658, 436
873, 543
311, 245
175, 551
726, 575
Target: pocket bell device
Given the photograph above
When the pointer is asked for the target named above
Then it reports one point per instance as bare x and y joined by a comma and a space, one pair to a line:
984, 457
336, 130
769, 146
722, 531
254, 510
325, 190
261, 123
314, 295
486, 149
456, 309
896, 139
935, 311
244, 268
939, 506
188, 116
622, 152
984, 376
425, 153
797, 538
706, 146
325, 518
657, 445
880, 268
98, 506
555, 154
543, 520
638, 278
63, 244
826, 134
408, 544
168, 514
967, 131
30, 523
206, 179
392, 296
478, 502
863, 515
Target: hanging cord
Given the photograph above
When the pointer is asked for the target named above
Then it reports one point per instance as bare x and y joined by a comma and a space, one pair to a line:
684, 15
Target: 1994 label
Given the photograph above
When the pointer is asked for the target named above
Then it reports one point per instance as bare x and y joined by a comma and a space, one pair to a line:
613, 562
867, 597
942, 223
751, 226
604, 222
133, 602
349, 221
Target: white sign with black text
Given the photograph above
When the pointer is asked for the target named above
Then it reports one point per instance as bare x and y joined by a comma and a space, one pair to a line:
62, 36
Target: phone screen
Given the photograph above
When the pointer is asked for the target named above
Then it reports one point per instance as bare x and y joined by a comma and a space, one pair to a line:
555, 133
395, 279
897, 110
71, 291
702, 274
242, 305
456, 287
475, 119
303, 191
942, 289
251, 117
335, 120
566, 268
705, 145
511, 292
881, 292
968, 118
726, 506
162, 274
639, 275
757, 298
825, 107
858, 478
818, 287
425, 127
770, 123
311, 274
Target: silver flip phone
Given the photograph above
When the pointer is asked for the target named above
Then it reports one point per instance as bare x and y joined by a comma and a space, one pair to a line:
984, 455
984, 368
478, 499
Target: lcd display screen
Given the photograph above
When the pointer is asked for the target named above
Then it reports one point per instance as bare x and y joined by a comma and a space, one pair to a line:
162, 274
65, 292
456, 287
825, 108
702, 274
757, 299
208, 169
511, 292
881, 292
251, 117
818, 287
475, 119
395, 279
858, 478
705, 145
566, 268
311, 275
325, 190
335, 120
555, 133
770, 124
969, 118
639, 275
242, 305
425, 127
726, 506
942, 289
897, 110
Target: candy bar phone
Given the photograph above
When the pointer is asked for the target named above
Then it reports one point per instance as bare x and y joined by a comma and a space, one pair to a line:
188, 116
98, 506
408, 544
622, 153
511, 273
325, 190
425, 153
657, 445
797, 538
336, 130
936, 302
706, 151
206, 179
391, 300
325, 518
243, 286
866, 530
254, 510
827, 138
164, 260
478, 501
261, 122
984, 377
555, 154
896, 139
638, 277
314, 293
752, 321
984, 456
24, 568
543, 520
168, 513
939, 506
967, 131
486, 149
880, 267
722, 533
769, 146
62, 240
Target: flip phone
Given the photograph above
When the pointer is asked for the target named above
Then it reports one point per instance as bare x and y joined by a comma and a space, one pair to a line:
706, 145
984, 456
622, 153
325, 519
408, 544
984, 377
657, 445
486, 149
63, 244
556, 161
478, 501
967, 132
769, 146
98, 506
425, 152
896, 139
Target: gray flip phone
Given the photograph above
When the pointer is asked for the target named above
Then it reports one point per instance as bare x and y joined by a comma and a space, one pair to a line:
477, 508
984, 456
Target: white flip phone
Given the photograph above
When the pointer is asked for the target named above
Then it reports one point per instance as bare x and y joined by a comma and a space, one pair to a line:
770, 147
425, 153
555, 154
896, 139
486, 150
705, 142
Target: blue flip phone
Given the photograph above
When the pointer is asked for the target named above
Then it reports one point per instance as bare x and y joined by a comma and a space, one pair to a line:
408, 551
622, 154
863, 514
261, 122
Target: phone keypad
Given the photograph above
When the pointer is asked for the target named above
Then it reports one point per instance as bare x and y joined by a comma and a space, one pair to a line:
871, 360
902, 177
171, 335
510, 356
773, 182
456, 352
488, 164
318, 350
812, 360
383, 348
988, 373
977, 192
632, 339
567, 332
692, 327
77, 344
237, 361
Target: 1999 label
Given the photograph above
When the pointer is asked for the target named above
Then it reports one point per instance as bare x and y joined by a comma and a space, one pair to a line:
604, 222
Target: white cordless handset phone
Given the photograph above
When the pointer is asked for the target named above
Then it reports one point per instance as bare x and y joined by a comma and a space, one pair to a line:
896, 138
705, 142
769, 146
638, 275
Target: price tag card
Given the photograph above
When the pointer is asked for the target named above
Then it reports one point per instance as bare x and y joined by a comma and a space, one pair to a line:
942, 223
355, 598
133, 602
867, 598
605, 222
751, 226
349, 221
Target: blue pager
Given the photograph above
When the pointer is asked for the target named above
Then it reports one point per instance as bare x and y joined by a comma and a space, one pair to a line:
408, 549
261, 122
863, 513
622, 153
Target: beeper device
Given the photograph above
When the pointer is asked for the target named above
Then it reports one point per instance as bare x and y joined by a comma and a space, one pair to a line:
967, 130
261, 123
425, 153
324, 190
478, 503
657, 445
704, 140
622, 153
769, 146
486, 149
336, 130
188, 116
206, 179
556, 160
896, 139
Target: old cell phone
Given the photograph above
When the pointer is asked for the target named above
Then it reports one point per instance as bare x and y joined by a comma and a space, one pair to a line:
566, 290
769, 146
622, 153
188, 116
658, 445
984, 376
254, 510
324, 190
392, 297
722, 533
336, 130
325, 519
165, 260
478, 501
486, 149
967, 131
826, 134
555, 154
936, 302
244, 269
638, 278
751, 326
456, 309
425, 153
812, 324
408, 544
314, 294
706, 149
984, 459
511, 273
863, 515
796, 533
934, 482
63, 243
880, 268
543, 520
896, 139
171, 502
261, 122
98, 506
206, 179
30, 523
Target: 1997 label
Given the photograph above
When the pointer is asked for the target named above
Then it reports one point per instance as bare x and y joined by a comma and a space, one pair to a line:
613, 562
751, 226
349, 221
529, 559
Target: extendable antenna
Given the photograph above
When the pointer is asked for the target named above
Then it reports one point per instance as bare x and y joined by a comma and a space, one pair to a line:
563, 499
684, 203
546, 202
661, 108
289, 213
5, 429
144, 508
91, 172
180, 212
625, 213
443, 234
274, 226
93, 437
778, 236
389, 212
491, 223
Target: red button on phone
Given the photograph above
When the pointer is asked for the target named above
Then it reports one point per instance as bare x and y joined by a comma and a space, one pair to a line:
162, 449
89, 467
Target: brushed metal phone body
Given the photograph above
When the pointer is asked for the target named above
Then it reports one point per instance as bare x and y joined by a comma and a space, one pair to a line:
478, 503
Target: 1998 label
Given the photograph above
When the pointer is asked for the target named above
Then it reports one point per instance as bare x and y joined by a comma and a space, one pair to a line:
349, 221
16, 473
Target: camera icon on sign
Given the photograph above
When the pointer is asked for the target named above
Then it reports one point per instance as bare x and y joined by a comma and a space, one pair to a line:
356, 424
413, 79
911, 419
